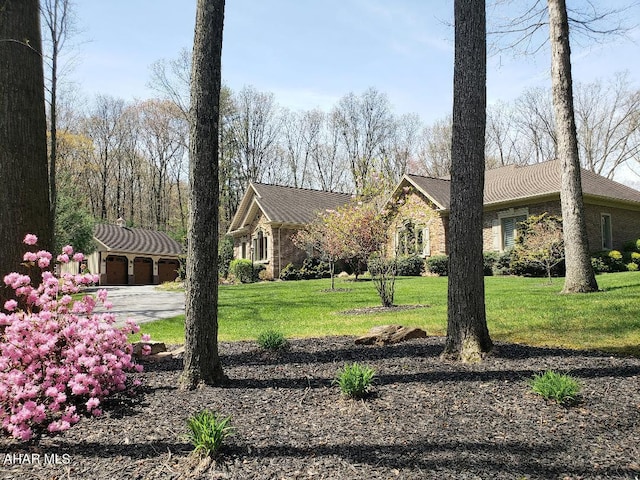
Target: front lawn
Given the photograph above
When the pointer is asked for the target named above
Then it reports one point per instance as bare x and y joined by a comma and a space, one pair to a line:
519, 310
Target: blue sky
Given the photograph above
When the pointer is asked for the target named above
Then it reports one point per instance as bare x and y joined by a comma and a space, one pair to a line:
309, 53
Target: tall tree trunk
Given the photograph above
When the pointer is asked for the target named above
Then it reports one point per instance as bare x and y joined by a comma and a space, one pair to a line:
201, 360
467, 334
579, 276
24, 184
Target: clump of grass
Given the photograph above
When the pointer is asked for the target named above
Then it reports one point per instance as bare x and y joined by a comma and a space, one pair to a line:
355, 380
207, 431
562, 388
272, 340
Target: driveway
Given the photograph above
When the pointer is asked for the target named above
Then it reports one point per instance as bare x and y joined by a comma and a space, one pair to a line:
143, 303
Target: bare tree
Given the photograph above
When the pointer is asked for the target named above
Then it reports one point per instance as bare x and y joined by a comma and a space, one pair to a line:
24, 195
608, 123
201, 360
365, 123
104, 129
434, 154
467, 333
580, 276
162, 140
536, 125
255, 129
401, 147
58, 20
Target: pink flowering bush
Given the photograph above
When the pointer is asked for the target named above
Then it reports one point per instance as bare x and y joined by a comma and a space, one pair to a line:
58, 359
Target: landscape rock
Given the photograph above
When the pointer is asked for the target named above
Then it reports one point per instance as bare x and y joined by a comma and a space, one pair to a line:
387, 334
156, 347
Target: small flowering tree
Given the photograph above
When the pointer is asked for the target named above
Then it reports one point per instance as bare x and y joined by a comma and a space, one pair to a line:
58, 359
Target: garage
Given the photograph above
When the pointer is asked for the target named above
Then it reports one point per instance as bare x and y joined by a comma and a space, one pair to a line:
116, 270
142, 271
167, 270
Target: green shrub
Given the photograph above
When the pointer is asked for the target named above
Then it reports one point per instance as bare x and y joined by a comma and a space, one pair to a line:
242, 270
272, 340
207, 431
225, 255
438, 265
313, 267
290, 272
490, 259
635, 257
355, 380
551, 385
502, 265
608, 261
410, 265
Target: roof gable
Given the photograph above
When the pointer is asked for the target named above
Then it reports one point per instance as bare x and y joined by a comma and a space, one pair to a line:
136, 240
289, 205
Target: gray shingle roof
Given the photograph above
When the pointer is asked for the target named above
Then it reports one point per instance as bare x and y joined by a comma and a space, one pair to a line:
136, 240
289, 205
512, 183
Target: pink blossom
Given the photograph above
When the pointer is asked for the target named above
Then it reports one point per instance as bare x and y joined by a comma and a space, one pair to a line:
78, 257
30, 239
30, 257
92, 403
63, 258
146, 337
43, 262
10, 305
67, 250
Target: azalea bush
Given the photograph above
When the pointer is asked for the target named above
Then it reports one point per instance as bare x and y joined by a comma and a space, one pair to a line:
58, 358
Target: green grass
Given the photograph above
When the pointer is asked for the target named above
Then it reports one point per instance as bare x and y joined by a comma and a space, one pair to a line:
520, 310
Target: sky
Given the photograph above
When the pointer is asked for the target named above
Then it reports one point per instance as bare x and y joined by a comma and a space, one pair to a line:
310, 53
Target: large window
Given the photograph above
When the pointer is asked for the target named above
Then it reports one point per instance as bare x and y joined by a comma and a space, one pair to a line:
413, 240
607, 241
260, 247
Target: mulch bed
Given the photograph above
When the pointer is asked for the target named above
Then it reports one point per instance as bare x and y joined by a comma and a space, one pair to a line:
426, 418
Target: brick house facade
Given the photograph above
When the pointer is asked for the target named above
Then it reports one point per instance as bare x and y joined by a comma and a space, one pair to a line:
267, 218
269, 215
513, 193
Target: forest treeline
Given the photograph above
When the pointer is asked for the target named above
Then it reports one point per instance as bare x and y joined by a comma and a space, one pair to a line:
128, 159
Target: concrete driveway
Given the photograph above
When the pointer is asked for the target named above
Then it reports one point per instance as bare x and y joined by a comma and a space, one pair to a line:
143, 303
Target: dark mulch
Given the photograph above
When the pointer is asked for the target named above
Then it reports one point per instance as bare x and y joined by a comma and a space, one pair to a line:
426, 419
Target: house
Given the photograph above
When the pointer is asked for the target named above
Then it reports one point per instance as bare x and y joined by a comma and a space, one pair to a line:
133, 256
511, 194
269, 215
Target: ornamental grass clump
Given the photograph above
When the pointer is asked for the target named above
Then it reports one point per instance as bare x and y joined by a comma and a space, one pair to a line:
561, 388
58, 359
207, 431
272, 340
355, 380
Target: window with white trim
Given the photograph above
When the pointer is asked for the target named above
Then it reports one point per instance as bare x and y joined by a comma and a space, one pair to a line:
607, 237
412, 239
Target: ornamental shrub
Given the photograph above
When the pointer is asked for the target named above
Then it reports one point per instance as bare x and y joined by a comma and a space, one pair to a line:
58, 359
242, 270
290, 272
438, 265
561, 388
410, 265
355, 380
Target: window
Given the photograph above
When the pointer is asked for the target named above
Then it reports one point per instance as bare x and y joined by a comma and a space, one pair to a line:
412, 239
510, 230
260, 247
607, 242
